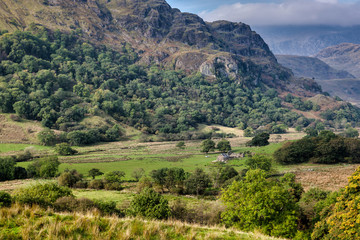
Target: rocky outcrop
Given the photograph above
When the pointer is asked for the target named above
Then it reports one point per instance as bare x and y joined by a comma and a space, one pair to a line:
161, 35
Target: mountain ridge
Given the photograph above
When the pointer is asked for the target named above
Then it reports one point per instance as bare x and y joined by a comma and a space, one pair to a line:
161, 34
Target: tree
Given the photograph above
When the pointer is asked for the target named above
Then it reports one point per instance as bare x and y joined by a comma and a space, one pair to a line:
197, 182
149, 204
351, 133
7, 169
64, 149
262, 204
259, 162
138, 173
261, 139
223, 145
341, 221
47, 137
95, 172
207, 146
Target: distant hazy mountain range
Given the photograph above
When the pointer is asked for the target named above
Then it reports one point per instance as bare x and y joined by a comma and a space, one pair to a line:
338, 71
306, 40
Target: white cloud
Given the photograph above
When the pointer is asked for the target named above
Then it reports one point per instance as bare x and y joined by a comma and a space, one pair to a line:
289, 12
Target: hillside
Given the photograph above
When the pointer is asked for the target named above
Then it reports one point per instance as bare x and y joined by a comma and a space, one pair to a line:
345, 56
304, 40
336, 82
141, 64
311, 67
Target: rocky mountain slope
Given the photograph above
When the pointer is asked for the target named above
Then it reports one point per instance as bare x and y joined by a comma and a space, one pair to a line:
161, 34
311, 67
345, 56
336, 82
306, 40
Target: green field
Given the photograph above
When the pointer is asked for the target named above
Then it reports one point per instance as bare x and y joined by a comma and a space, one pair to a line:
10, 147
149, 157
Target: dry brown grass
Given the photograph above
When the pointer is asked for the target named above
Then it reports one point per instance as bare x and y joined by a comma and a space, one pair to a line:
326, 177
17, 132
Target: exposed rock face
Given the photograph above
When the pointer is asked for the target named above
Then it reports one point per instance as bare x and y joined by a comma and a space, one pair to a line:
345, 56
162, 34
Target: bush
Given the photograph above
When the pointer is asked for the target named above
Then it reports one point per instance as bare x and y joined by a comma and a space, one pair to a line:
113, 186
114, 176
149, 204
43, 194
69, 178
64, 149
96, 184
259, 162
47, 137
5, 199
44, 167
20, 173
7, 168
71, 204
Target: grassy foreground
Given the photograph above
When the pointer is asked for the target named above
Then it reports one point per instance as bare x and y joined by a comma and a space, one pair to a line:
23, 222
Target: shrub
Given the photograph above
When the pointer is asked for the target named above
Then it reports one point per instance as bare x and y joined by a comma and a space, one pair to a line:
43, 194
180, 145
47, 137
113, 186
44, 167
114, 176
149, 204
71, 204
138, 173
96, 184
144, 182
64, 149
7, 168
259, 162
5, 199
69, 178
20, 173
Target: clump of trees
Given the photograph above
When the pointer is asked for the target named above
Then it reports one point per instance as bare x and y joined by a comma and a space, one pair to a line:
325, 148
260, 139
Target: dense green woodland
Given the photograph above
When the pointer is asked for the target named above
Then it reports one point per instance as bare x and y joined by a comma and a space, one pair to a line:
58, 79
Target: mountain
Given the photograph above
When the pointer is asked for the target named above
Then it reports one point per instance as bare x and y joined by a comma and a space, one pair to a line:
311, 67
306, 40
75, 64
345, 56
336, 82
160, 33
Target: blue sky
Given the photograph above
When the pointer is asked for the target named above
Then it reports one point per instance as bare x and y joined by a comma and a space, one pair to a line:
275, 12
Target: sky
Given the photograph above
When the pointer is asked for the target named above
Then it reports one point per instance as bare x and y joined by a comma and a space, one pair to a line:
275, 12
